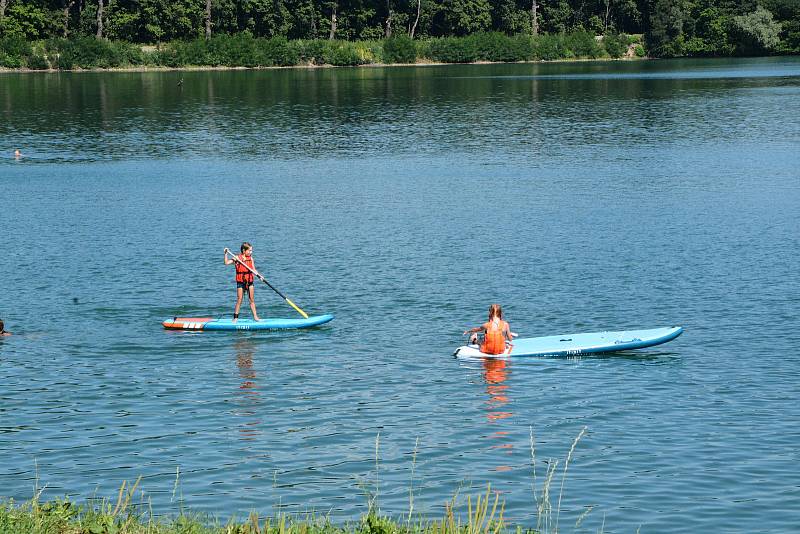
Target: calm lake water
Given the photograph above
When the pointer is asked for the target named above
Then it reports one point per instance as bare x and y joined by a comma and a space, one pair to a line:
582, 197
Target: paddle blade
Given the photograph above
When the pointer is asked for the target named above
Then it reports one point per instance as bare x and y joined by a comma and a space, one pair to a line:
301, 312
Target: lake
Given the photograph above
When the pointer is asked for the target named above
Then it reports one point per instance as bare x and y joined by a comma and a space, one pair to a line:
582, 196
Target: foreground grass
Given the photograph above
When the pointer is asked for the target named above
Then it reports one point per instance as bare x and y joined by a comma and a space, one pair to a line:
484, 516
480, 514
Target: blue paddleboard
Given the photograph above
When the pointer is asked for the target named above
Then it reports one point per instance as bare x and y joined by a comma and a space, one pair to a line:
226, 323
576, 344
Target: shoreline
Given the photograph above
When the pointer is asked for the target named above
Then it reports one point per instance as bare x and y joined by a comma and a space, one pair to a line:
312, 66
245, 52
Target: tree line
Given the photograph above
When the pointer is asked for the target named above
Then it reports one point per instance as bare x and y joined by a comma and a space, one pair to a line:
670, 27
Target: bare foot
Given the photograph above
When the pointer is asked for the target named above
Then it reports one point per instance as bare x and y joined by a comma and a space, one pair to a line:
255, 318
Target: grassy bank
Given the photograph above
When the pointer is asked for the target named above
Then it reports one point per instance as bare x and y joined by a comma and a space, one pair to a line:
484, 515
481, 514
243, 50
477, 514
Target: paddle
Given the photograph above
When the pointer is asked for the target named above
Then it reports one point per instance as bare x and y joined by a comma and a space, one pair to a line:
292, 304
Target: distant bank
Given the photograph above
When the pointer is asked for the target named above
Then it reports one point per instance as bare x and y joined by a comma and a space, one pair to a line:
245, 51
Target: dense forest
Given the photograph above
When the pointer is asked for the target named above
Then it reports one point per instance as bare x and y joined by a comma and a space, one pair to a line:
670, 27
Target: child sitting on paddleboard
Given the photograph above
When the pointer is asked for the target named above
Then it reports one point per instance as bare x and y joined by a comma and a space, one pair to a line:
245, 267
496, 332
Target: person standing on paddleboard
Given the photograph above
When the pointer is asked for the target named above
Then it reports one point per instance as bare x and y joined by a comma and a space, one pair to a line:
244, 277
496, 332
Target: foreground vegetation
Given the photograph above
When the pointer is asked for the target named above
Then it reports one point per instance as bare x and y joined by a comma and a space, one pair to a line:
244, 50
481, 514
484, 515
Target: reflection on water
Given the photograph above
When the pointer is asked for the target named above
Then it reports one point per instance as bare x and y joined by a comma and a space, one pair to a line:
295, 114
248, 397
495, 374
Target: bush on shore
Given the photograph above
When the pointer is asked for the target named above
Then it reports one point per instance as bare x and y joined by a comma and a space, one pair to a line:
582, 44
68, 54
491, 46
14, 52
400, 49
616, 45
91, 53
245, 50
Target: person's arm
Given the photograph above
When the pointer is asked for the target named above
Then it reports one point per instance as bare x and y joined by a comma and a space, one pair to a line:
255, 271
227, 260
509, 334
480, 328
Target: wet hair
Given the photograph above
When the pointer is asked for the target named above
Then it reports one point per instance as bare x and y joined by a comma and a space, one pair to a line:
245, 246
2, 327
495, 311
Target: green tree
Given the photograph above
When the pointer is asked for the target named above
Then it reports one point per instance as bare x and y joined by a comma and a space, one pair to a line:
556, 17
463, 17
711, 34
509, 17
756, 32
787, 12
24, 19
3, 5
665, 38
264, 18
361, 19
790, 43
124, 24
303, 21
161, 20
626, 16
225, 16
427, 10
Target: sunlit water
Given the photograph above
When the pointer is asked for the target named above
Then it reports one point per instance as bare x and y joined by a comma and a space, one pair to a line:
581, 197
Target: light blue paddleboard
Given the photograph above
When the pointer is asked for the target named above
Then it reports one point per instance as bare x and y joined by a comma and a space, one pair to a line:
577, 344
226, 323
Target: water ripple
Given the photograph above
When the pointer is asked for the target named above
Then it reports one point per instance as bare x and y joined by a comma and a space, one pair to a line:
404, 201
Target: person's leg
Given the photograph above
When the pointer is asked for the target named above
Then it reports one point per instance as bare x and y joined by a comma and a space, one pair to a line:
239, 295
251, 294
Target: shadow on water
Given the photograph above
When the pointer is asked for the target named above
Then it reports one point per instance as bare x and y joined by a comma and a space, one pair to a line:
632, 355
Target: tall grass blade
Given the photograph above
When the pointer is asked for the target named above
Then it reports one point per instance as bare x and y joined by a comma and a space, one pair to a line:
583, 516
177, 480
564, 476
411, 485
533, 464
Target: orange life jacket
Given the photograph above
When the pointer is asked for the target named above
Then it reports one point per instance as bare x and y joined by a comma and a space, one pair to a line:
242, 274
494, 342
